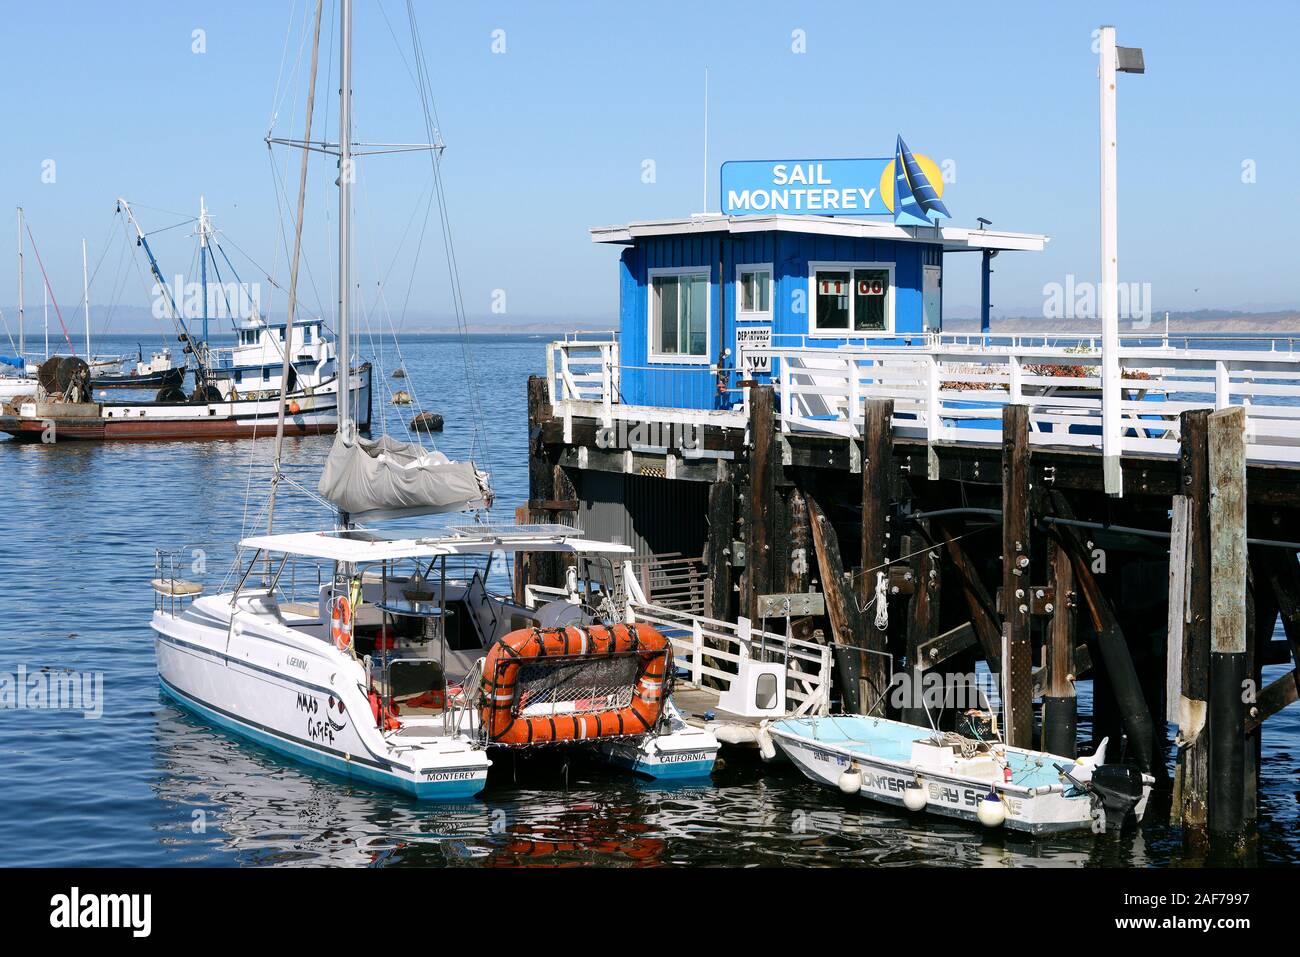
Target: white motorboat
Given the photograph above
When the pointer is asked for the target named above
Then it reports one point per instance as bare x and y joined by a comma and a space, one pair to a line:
394, 663
971, 776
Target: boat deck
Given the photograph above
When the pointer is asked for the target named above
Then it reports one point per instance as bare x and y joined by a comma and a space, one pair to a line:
694, 702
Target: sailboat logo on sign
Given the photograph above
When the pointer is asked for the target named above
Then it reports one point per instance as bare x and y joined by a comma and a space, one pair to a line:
908, 187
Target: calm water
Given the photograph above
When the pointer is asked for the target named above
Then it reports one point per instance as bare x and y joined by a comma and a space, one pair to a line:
148, 784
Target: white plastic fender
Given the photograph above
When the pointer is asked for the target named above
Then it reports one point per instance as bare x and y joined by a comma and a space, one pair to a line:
851, 780
914, 798
992, 812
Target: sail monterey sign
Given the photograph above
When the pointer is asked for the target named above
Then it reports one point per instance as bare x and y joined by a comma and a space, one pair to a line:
909, 187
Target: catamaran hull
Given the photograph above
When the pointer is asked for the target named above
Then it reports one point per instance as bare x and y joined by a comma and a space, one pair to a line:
1027, 810
317, 414
319, 717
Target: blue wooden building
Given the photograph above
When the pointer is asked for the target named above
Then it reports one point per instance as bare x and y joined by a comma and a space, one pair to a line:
694, 292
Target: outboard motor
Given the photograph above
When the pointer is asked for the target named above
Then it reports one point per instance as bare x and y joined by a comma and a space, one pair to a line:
1116, 789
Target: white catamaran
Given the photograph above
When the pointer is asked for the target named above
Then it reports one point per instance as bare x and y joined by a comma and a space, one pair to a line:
390, 660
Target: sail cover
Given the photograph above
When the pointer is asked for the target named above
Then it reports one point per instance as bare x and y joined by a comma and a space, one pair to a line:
385, 478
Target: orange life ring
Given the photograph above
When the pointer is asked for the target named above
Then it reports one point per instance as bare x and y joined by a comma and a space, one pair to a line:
294, 407
501, 707
341, 622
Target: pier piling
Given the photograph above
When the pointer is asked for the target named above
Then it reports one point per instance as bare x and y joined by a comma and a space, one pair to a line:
1226, 441
1060, 706
1017, 645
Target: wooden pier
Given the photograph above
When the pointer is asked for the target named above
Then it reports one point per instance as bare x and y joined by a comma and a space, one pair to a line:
965, 483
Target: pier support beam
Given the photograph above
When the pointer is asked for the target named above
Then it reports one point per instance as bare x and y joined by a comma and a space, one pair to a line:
877, 496
922, 621
722, 526
543, 568
857, 692
983, 610
1229, 666
760, 507
1121, 674
1192, 772
1060, 704
1017, 645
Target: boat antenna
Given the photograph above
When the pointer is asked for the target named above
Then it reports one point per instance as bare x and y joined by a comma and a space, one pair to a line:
293, 277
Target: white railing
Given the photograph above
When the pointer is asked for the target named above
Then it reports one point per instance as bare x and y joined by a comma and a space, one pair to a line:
709, 648
584, 370
951, 388
955, 391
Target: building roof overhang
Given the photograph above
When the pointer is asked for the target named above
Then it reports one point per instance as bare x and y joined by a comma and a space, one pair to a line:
952, 238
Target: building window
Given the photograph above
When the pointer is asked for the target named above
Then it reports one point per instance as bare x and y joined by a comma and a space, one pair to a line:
754, 296
852, 298
679, 315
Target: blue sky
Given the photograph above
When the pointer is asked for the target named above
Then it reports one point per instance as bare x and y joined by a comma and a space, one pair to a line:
549, 137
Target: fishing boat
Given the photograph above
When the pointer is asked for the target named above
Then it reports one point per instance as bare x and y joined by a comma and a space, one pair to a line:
15, 378
969, 775
388, 659
236, 391
158, 372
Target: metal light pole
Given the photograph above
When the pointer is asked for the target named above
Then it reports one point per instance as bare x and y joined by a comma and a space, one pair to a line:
1113, 60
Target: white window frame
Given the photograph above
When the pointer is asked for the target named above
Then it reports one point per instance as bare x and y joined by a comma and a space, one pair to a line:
652, 345
754, 316
850, 333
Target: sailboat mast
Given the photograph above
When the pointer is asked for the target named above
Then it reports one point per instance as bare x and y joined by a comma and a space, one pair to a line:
293, 273
85, 295
345, 218
22, 336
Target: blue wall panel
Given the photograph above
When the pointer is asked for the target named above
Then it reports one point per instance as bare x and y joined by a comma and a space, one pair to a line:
695, 386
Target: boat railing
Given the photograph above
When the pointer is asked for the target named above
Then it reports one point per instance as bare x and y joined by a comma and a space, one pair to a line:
710, 652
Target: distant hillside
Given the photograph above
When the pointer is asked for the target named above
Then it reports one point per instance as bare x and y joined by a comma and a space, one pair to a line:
1202, 321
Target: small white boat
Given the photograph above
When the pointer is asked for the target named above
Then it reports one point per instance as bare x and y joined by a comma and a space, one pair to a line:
973, 776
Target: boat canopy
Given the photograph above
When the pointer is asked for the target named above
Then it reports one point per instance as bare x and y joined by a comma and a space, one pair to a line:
361, 547
383, 478
15, 361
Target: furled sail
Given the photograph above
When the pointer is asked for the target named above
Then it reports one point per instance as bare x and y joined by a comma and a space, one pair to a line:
384, 478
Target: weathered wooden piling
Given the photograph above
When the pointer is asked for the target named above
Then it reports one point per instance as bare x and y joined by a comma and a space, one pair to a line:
1017, 644
760, 503
922, 621
718, 549
1060, 703
878, 470
1226, 441
1192, 774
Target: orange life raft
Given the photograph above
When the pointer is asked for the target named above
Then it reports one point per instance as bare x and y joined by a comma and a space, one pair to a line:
503, 700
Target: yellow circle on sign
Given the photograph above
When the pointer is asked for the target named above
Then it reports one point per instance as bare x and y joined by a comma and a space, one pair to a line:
928, 166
